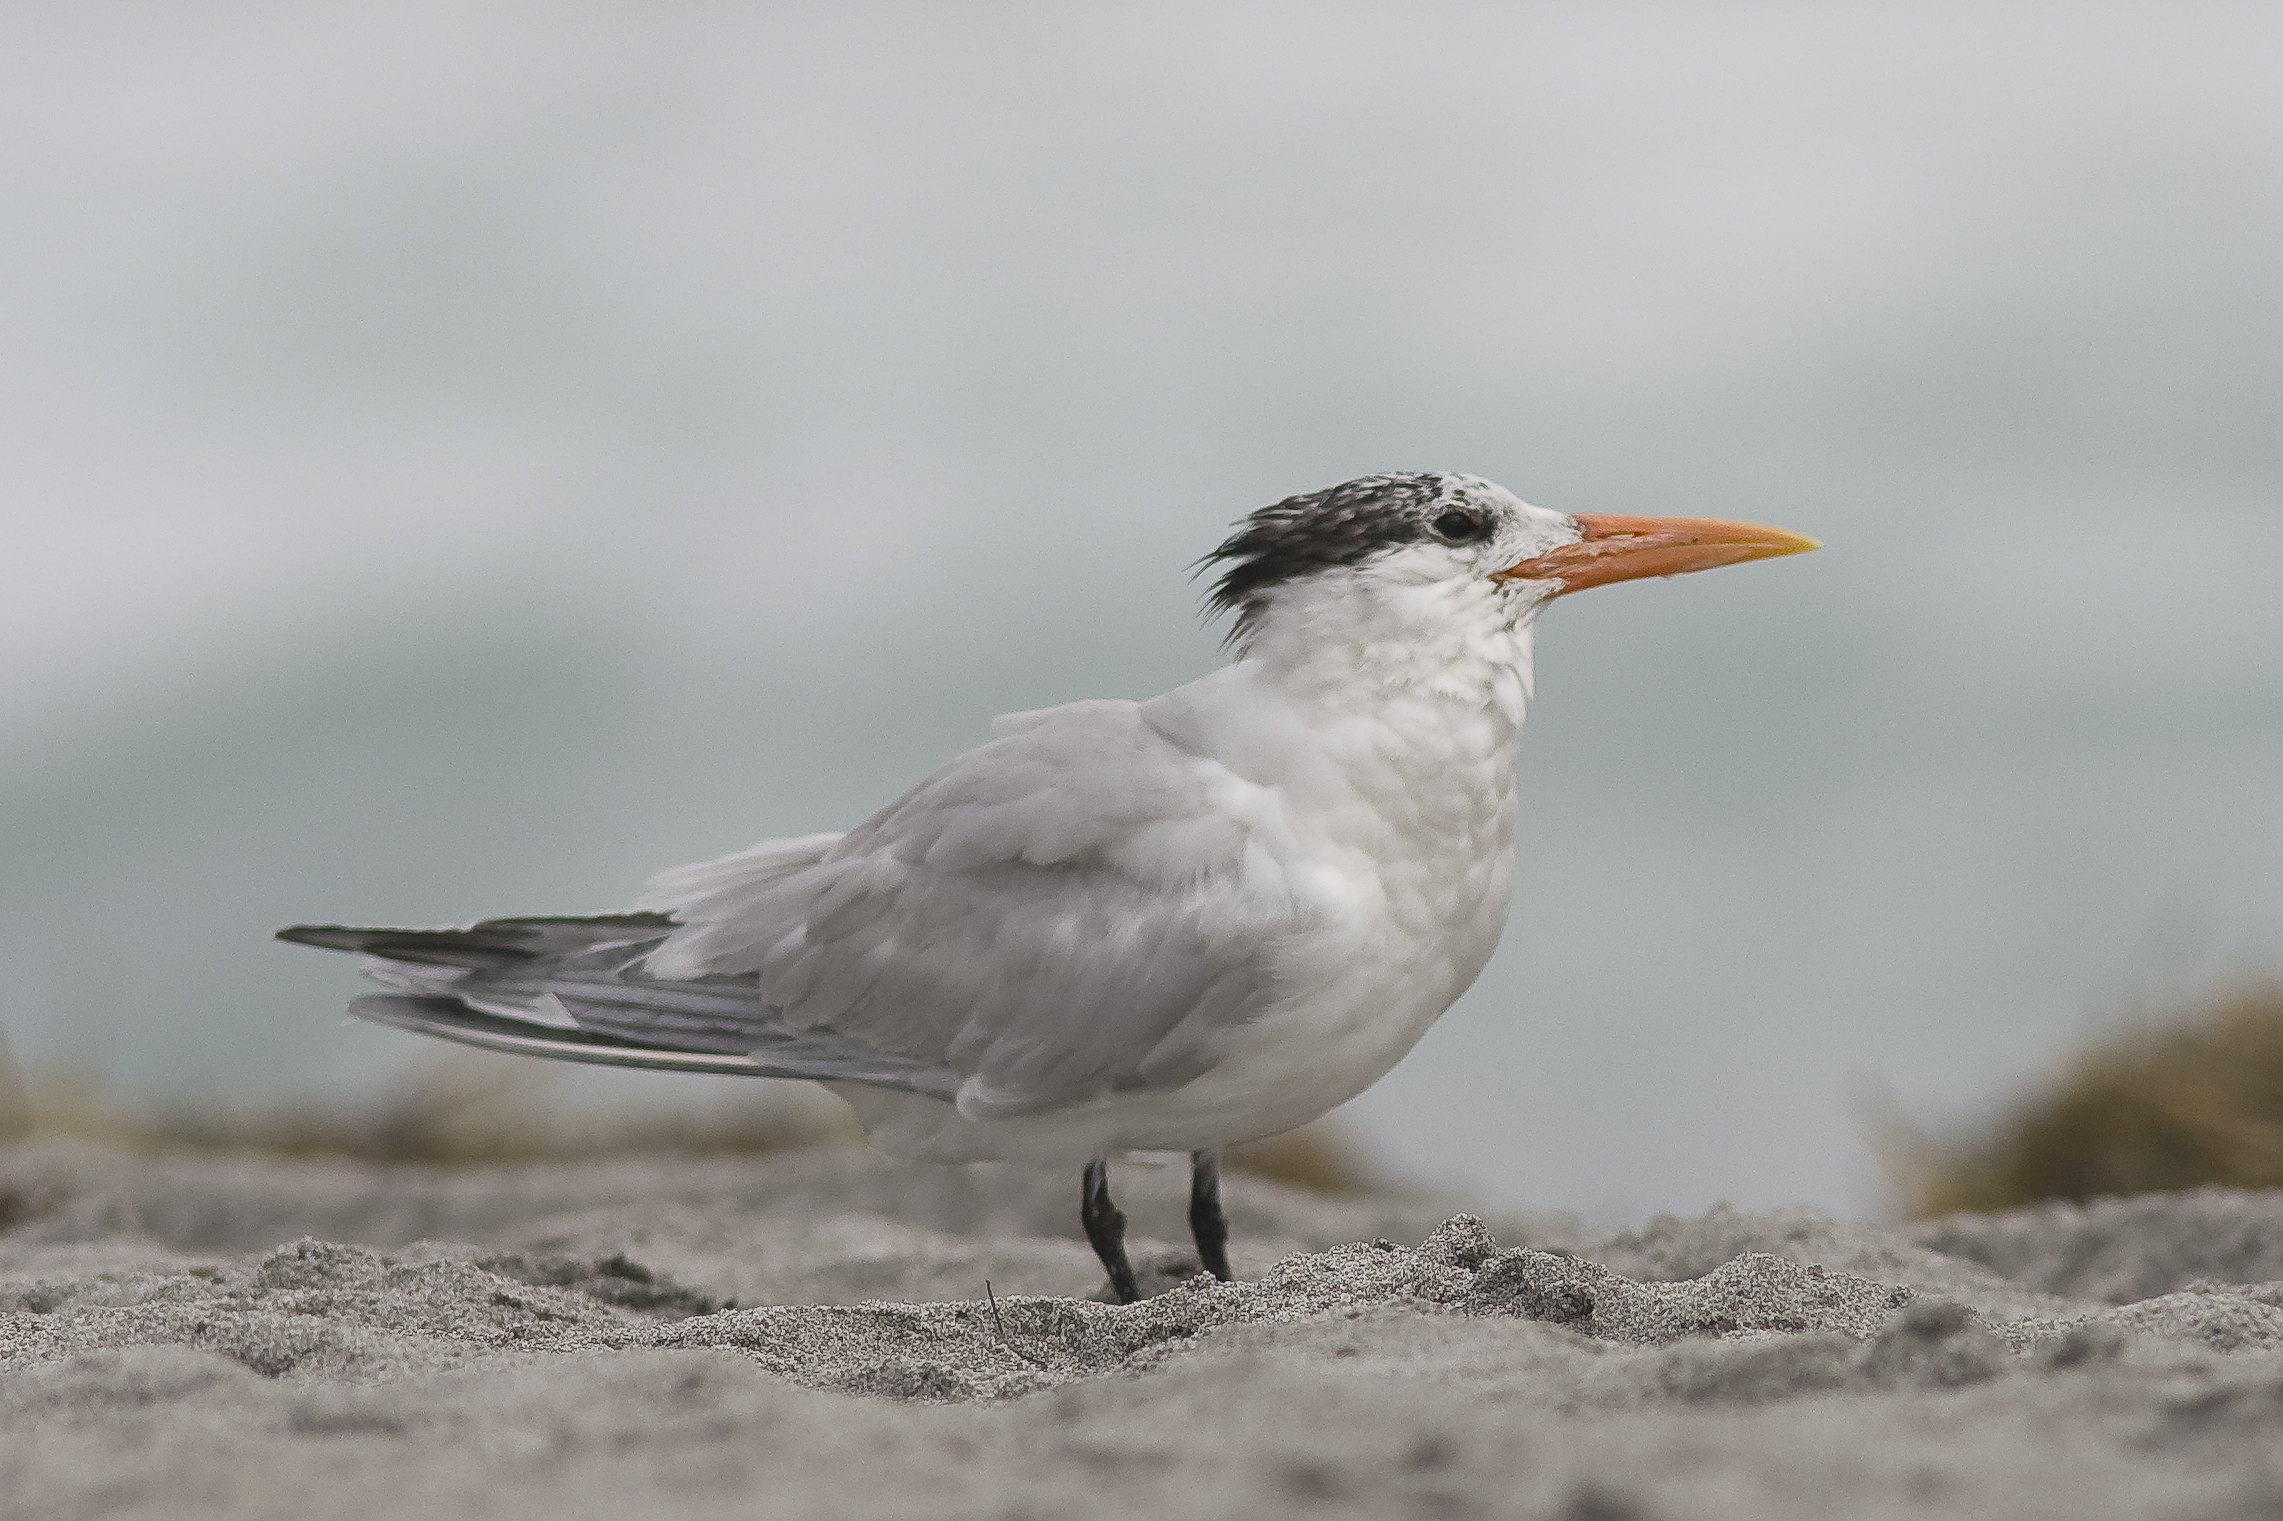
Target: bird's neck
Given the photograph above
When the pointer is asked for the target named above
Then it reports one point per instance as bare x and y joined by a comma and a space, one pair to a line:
1389, 737
1355, 646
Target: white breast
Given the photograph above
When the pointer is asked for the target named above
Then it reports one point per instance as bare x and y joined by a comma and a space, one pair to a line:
1383, 812
1398, 833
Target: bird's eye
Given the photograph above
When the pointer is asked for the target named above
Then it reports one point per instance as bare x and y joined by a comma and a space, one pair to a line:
1459, 527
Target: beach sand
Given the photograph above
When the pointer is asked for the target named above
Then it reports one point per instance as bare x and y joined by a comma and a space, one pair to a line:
809, 1335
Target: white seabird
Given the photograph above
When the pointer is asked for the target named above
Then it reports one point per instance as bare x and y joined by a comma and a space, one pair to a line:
1120, 926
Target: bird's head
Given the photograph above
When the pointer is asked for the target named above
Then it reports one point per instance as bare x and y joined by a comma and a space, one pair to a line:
1449, 553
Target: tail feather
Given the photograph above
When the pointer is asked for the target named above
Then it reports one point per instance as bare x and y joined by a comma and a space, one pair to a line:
452, 1019
577, 990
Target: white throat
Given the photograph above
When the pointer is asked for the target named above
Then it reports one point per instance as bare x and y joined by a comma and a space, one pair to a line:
1358, 639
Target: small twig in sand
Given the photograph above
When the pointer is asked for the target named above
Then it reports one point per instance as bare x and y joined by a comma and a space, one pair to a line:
1000, 1327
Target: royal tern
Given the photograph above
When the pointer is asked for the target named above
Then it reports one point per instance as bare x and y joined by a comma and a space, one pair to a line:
1119, 926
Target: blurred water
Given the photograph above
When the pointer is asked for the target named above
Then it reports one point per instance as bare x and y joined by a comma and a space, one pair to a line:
459, 458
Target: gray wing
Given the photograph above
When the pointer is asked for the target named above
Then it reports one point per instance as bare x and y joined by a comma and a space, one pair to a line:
1073, 909
576, 990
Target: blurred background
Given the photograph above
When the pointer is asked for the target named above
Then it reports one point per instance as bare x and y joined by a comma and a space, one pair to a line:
458, 458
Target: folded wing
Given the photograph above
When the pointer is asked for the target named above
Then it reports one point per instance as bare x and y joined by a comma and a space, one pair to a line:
575, 989
1076, 908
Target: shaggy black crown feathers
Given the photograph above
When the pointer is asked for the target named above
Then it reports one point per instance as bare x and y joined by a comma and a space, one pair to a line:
1340, 525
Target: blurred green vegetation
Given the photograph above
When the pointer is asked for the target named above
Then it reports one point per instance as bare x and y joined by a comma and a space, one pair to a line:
2174, 1102
460, 1107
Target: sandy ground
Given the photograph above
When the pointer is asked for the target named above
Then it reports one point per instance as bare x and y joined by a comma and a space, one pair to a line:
810, 1336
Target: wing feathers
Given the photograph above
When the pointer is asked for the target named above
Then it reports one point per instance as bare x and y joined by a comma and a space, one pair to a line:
576, 990
451, 1019
1066, 912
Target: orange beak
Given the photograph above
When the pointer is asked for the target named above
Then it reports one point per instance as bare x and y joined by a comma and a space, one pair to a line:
1622, 548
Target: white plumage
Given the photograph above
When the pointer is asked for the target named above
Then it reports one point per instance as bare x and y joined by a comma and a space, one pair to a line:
1170, 924
1160, 925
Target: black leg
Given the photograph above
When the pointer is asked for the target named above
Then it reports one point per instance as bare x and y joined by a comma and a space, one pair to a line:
1206, 1222
1106, 1228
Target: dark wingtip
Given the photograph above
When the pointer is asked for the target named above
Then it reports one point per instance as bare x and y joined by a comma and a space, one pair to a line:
492, 940
330, 937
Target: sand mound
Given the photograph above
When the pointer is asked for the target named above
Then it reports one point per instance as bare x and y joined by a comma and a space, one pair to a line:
811, 1336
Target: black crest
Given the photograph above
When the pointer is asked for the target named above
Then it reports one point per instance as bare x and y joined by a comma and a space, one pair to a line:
1339, 525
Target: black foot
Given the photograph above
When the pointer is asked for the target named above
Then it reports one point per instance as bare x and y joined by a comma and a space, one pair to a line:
1206, 1222
1106, 1228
